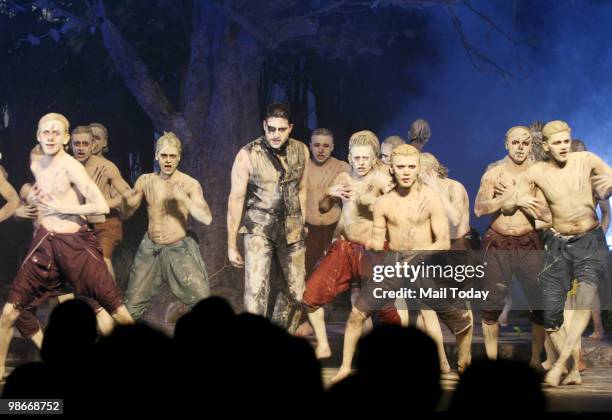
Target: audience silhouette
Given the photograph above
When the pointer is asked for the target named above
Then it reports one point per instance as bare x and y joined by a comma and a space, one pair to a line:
218, 360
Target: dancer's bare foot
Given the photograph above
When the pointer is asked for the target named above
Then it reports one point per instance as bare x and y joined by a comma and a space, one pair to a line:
445, 367
596, 336
322, 351
573, 378
553, 376
462, 365
546, 364
461, 369
342, 373
304, 330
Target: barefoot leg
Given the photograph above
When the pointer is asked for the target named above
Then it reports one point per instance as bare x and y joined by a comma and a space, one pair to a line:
354, 325
490, 334
317, 320
7, 322
432, 327
538, 335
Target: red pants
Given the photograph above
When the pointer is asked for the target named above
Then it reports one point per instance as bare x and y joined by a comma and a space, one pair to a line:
344, 263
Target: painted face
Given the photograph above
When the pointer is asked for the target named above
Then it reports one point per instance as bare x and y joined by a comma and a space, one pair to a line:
558, 146
362, 159
277, 131
519, 144
321, 147
99, 141
81, 145
405, 170
168, 158
385, 153
52, 136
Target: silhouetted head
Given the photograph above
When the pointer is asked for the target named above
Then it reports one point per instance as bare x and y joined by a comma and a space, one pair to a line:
490, 385
31, 380
70, 334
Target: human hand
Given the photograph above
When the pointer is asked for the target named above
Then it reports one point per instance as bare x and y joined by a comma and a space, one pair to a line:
26, 211
534, 207
50, 205
234, 256
341, 191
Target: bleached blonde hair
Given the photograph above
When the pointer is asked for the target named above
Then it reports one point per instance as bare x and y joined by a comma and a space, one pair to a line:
54, 116
168, 139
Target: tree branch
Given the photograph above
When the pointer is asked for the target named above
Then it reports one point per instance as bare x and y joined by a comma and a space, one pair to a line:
475, 54
243, 22
490, 21
136, 76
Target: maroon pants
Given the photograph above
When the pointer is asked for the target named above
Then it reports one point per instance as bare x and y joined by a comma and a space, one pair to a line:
55, 258
317, 241
504, 257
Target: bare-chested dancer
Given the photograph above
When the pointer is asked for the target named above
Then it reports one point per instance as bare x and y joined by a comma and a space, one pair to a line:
575, 243
322, 170
100, 148
343, 263
463, 239
378, 166
415, 221
166, 252
63, 248
270, 174
387, 147
27, 324
419, 133
511, 245
106, 176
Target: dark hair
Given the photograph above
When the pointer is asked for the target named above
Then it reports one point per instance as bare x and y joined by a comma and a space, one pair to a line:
577, 144
279, 110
